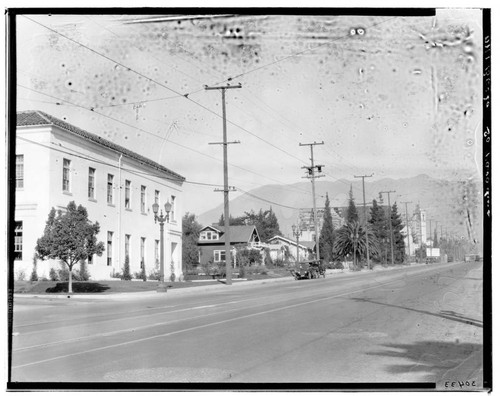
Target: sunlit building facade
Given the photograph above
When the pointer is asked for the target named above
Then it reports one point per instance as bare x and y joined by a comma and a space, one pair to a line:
57, 162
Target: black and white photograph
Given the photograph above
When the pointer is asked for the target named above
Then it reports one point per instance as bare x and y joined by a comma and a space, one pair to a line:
285, 199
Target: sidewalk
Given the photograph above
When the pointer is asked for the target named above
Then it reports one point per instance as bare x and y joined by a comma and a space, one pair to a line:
153, 293
208, 288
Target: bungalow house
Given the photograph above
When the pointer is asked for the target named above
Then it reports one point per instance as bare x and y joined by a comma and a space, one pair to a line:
281, 247
211, 242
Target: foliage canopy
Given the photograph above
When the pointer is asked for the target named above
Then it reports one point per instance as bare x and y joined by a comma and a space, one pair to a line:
69, 236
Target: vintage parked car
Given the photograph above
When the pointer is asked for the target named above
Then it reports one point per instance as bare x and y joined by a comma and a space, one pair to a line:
308, 269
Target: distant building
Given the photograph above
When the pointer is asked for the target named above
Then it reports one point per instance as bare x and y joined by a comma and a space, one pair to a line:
279, 246
306, 222
212, 242
418, 230
57, 162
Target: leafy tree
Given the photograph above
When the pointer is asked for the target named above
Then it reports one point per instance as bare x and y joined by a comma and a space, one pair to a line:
398, 237
327, 234
435, 241
268, 261
246, 257
266, 222
143, 275
420, 253
270, 225
232, 220
70, 237
34, 274
53, 274
84, 273
190, 235
352, 212
351, 240
379, 225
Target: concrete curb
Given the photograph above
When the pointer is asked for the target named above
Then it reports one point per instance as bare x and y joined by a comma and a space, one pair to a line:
207, 288
152, 293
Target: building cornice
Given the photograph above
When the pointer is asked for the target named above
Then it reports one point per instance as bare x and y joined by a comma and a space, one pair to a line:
36, 118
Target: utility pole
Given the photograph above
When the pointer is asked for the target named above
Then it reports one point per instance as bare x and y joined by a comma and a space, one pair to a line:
311, 175
366, 221
227, 242
390, 221
435, 233
407, 227
430, 232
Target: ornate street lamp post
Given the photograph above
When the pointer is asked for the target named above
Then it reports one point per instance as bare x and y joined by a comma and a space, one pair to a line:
162, 218
297, 232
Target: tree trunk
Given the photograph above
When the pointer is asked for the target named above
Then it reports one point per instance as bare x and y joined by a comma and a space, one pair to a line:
70, 279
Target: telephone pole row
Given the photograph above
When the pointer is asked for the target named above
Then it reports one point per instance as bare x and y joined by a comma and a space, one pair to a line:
311, 175
366, 221
224, 143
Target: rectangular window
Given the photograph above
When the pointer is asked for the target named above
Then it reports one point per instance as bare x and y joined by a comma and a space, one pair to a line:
66, 174
110, 189
143, 244
127, 194
172, 201
209, 235
18, 240
90, 260
143, 199
219, 255
127, 246
157, 197
157, 252
20, 171
92, 183
110, 249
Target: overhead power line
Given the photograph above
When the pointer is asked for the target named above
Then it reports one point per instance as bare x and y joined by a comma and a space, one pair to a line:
96, 161
164, 86
148, 132
229, 79
266, 200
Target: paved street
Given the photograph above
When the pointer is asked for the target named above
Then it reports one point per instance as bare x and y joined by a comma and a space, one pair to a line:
416, 324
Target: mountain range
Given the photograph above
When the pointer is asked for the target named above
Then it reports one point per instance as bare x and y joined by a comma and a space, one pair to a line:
454, 205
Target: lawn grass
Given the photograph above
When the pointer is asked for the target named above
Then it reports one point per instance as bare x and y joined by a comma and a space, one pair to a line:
97, 287
119, 286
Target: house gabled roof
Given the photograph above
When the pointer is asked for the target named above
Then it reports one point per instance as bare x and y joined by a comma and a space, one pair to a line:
238, 234
36, 118
213, 228
290, 241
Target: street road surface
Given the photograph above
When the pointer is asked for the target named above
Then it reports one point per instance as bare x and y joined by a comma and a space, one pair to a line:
415, 324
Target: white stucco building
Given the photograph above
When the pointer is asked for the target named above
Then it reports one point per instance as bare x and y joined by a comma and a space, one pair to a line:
418, 230
57, 162
278, 245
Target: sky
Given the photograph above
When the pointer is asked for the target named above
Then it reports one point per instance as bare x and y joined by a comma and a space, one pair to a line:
393, 96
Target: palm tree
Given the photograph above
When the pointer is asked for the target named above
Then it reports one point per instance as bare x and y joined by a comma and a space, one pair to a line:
351, 239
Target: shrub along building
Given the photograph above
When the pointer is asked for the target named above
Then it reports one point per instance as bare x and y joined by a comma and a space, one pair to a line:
57, 162
212, 239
